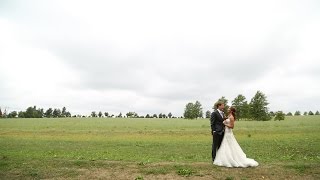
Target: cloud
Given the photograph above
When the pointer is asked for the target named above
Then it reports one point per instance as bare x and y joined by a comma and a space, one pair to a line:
154, 57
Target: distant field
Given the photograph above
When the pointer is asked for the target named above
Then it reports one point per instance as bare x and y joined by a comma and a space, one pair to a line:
91, 148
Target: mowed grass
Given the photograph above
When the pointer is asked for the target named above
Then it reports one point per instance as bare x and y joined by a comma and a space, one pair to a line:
109, 148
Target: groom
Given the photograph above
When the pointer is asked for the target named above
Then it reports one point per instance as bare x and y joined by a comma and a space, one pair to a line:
217, 128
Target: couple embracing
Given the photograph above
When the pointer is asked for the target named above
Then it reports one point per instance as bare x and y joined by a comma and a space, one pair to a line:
225, 149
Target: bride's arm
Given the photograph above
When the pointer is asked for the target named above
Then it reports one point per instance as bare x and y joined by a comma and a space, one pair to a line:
231, 124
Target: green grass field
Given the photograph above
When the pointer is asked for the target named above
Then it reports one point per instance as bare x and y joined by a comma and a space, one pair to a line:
93, 148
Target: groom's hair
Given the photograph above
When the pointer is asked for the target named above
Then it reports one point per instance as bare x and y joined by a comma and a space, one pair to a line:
219, 104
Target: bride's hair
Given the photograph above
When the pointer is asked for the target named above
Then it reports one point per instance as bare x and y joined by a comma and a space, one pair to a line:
233, 112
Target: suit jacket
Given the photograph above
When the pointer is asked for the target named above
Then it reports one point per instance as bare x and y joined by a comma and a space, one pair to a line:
217, 122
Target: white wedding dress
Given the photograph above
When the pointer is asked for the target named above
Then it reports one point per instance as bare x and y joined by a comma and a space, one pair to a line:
230, 153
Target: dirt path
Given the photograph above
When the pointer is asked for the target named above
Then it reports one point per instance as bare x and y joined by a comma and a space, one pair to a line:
195, 171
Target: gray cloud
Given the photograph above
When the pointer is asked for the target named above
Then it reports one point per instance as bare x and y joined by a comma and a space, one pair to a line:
152, 57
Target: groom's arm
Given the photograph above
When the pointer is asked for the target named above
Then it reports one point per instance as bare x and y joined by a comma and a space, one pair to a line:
212, 122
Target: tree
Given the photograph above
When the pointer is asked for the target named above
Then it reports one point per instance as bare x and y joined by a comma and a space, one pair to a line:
279, 116
208, 114
198, 109
21, 114
29, 112
317, 113
162, 115
68, 114
225, 102
193, 111
40, 113
33, 112
100, 114
297, 113
305, 113
0, 113
241, 105
129, 114
12, 114
120, 115
310, 113
271, 114
4, 114
93, 114
106, 114
289, 114
155, 116
64, 111
188, 112
170, 115
148, 116
258, 107
48, 113
132, 115
56, 113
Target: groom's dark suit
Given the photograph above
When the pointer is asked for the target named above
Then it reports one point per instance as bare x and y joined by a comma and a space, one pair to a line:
217, 130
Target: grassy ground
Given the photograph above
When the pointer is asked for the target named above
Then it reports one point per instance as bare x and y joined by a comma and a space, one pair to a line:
153, 149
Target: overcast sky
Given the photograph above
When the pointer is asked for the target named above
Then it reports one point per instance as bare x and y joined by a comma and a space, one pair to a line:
156, 56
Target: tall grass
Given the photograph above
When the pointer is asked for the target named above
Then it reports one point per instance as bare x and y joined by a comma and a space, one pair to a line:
26, 144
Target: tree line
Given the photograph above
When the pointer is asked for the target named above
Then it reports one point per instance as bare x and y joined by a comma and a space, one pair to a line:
256, 109
130, 114
34, 112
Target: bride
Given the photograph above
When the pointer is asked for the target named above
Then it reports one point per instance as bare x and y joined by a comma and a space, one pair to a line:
230, 153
